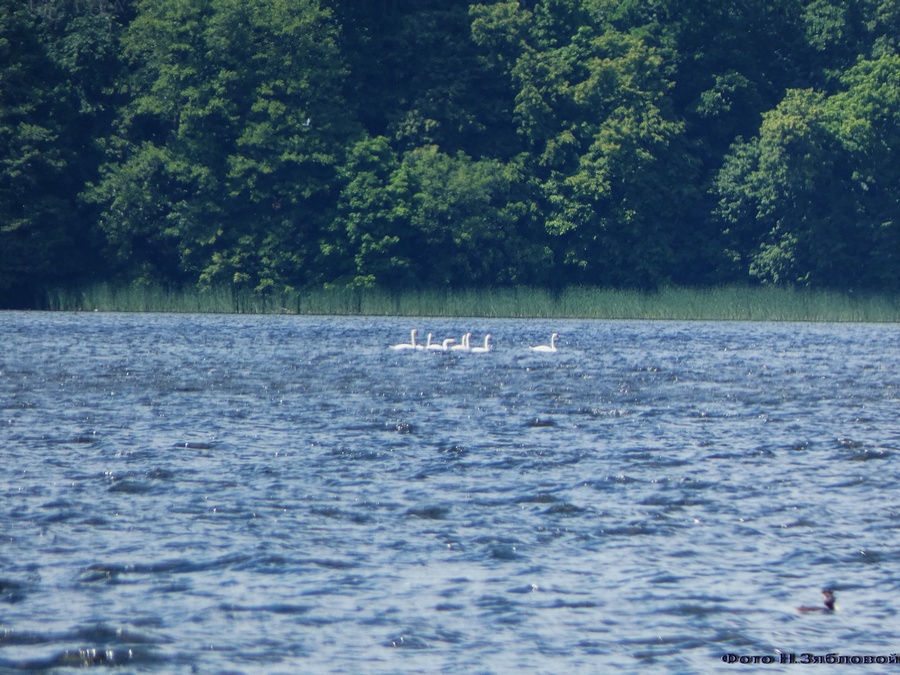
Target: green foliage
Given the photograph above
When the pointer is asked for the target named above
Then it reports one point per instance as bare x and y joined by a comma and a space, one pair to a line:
460, 217
229, 145
606, 146
867, 125
435, 219
265, 146
774, 182
50, 105
374, 216
817, 190
418, 79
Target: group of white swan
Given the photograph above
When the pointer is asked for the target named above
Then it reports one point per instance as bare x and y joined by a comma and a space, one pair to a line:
444, 345
464, 344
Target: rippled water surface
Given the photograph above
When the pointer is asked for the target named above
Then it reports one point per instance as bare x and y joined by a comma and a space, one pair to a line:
282, 494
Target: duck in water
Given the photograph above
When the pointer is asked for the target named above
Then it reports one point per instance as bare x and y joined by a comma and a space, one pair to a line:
829, 603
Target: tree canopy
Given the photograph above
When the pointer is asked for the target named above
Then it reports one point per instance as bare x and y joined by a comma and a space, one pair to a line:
276, 144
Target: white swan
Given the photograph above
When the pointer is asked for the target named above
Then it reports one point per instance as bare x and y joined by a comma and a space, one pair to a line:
464, 345
443, 347
407, 345
427, 344
486, 348
548, 348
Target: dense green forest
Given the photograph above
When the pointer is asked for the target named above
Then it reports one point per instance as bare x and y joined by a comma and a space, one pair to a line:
270, 145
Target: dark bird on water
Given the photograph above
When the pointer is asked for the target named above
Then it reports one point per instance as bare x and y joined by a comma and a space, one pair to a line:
829, 603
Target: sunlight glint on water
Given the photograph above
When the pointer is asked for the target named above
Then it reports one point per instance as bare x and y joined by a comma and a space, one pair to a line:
281, 493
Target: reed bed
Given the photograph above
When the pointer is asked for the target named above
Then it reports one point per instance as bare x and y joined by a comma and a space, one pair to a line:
764, 303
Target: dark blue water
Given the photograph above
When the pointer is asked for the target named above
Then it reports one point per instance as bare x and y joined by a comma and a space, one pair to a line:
283, 494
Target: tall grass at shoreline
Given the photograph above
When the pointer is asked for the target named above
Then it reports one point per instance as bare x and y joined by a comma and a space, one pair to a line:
730, 303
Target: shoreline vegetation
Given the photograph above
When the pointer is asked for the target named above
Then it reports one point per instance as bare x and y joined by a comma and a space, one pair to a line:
471, 144
730, 303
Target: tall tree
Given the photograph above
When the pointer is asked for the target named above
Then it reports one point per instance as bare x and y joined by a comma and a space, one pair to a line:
225, 158
372, 242
813, 199
472, 221
57, 59
594, 106
866, 122
420, 79
774, 191
433, 219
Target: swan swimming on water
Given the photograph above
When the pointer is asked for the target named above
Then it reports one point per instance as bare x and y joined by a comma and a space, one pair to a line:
407, 345
464, 345
486, 348
548, 348
427, 344
443, 347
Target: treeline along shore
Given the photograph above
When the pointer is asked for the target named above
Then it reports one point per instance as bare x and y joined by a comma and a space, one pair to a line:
527, 157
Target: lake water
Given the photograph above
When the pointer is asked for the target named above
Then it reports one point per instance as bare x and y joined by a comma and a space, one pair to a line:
285, 494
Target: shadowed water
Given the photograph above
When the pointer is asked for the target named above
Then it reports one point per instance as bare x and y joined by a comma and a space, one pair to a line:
285, 494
